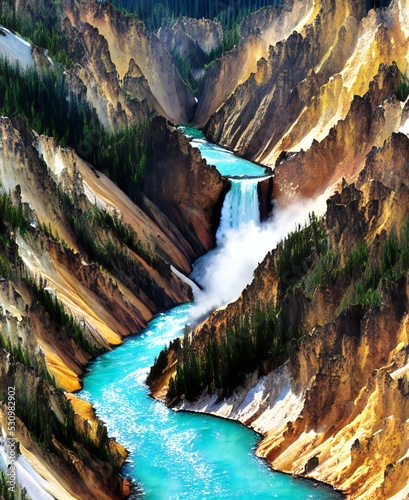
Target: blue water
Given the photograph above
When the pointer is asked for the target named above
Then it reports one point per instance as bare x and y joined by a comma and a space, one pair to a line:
179, 455
225, 161
184, 455
240, 207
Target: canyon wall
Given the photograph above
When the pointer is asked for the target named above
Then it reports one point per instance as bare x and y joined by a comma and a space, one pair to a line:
307, 81
128, 43
337, 409
322, 108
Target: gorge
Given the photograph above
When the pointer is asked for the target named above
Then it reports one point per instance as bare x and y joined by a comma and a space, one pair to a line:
112, 124
189, 456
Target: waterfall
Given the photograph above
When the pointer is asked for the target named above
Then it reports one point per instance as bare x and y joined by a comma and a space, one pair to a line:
241, 206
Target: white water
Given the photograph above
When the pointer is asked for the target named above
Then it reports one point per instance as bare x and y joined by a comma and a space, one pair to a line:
179, 455
225, 271
16, 50
240, 207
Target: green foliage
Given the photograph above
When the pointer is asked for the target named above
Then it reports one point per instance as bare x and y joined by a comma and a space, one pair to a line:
158, 366
81, 224
52, 109
322, 271
45, 100
164, 13
55, 310
5, 494
70, 433
19, 353
184, 67
402, 90
40, 29
111, 255
389, 255
369, 272
5, 270
357, 259
11, 218
223, 363
123, 156
33, 408
124, 232
296, 252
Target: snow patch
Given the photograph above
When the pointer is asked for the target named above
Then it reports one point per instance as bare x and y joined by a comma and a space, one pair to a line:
27, 477
16, 50
404, 129
404, 16
58, 165
93, 198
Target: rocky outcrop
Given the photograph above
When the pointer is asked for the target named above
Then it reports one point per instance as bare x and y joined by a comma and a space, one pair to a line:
64, 299
51, 441
369, 122
316, 419
226, 74
78, 283
184, 187
136, 87
313, 75
192, 40
95, 75
206, 34
126, 39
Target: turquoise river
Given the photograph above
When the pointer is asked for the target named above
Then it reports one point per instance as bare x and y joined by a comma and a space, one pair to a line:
179, 455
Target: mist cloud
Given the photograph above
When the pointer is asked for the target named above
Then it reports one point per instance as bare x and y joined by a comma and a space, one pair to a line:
225, 271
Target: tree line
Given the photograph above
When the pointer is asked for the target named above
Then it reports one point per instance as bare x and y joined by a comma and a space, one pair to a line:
229, 12
41, 28
45, 100
222, 363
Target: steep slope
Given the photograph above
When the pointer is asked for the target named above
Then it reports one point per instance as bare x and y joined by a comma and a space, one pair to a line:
82, 265
262, 29
370, 120
317, 420
329, 393
89, 269
192, 40
128, 39
313, 75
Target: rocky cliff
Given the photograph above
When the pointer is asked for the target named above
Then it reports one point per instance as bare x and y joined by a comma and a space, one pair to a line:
329, 393
317, 420
192, 40
127, 39
82, 266
313, 74
316, 89
262, 29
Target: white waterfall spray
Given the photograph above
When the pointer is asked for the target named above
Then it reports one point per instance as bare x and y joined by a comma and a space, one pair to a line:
240, 207
242, 243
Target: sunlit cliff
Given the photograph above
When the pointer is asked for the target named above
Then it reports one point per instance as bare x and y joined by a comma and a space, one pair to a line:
89, 252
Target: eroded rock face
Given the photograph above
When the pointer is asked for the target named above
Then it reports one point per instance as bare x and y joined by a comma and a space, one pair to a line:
263, 29
208, 35
66, 475
337, 410
108, 303
307, 81
127, 39
192, 40
369, 122
184, 187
